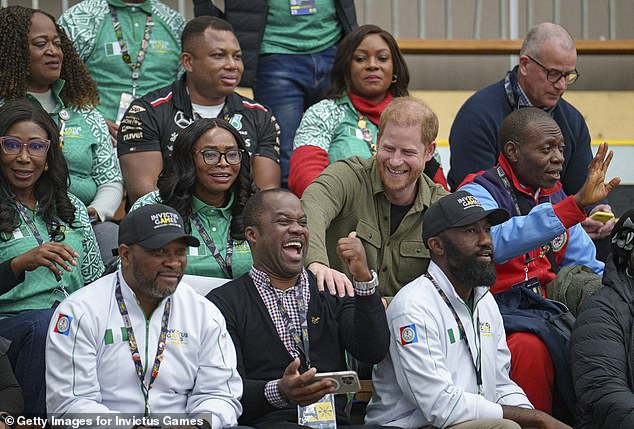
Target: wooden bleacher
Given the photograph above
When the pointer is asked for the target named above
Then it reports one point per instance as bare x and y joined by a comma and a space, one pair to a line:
506, 47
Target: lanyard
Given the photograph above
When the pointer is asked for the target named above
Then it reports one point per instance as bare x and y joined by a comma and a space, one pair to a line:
477, 365
507, 184
547, 249
134, 349
225, 265
63, 117
125, 54
367, 135
300, 337
29, 223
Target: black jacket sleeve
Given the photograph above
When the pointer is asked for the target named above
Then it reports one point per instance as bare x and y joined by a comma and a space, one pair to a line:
253, 399
600, 365
363, 328
10, 392
8, 279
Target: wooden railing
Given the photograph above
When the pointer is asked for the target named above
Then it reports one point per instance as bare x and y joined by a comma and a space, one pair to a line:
506, 47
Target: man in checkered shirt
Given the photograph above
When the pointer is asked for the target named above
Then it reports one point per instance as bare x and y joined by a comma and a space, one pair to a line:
284, 329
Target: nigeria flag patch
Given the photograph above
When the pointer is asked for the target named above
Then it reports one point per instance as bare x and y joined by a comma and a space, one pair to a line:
115, 335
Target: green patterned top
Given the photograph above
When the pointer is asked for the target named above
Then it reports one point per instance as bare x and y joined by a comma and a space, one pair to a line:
333, 125
89, 26
87, 148
40, 290
216, 221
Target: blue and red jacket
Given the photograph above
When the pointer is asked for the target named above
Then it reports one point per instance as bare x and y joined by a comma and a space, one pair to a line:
554, 220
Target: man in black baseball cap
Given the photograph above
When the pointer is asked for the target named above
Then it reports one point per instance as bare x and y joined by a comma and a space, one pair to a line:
457, 209
153, 249
456, 230
167, 344
153, 226
449, 363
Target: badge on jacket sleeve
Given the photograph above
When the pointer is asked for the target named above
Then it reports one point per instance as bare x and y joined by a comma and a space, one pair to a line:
408, 334
63, 324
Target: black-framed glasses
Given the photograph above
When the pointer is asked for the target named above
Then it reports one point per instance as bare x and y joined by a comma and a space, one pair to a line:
35, 147
553, 75
212, 156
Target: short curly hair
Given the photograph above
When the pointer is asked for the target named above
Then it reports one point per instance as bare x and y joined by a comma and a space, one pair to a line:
80, 90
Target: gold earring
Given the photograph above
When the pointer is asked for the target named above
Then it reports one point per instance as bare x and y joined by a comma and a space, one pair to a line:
46, 167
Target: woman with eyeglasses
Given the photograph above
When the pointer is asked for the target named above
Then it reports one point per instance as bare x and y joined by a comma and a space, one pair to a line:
45, 237
208, 181
41, 64
368, 72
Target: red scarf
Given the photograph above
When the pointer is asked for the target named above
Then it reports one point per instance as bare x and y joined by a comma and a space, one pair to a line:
369, 109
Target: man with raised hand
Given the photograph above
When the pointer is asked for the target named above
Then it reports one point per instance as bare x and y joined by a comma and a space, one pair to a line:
547, 67
448, 365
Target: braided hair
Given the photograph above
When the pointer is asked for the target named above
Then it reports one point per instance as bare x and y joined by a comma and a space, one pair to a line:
80, 90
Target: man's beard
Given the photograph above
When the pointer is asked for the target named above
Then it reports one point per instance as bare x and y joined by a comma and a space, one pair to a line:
150, 285
467, 269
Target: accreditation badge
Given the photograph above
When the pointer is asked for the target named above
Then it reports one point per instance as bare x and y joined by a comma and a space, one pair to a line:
320, 414
124, 102
303, 7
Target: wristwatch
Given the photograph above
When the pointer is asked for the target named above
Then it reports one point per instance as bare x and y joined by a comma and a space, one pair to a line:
374, 282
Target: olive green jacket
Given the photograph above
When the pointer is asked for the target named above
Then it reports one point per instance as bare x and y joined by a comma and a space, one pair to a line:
349, 196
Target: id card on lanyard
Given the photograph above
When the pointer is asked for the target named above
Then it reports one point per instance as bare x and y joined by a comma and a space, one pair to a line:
127, 98
303, 7
320, 414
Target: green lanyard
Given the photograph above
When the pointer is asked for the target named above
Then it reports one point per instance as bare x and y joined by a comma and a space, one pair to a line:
125, 54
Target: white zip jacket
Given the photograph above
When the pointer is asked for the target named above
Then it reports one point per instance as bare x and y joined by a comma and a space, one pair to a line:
429, 377
89, 367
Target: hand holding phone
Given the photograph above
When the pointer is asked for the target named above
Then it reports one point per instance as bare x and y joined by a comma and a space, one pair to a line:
602, 216
344, 381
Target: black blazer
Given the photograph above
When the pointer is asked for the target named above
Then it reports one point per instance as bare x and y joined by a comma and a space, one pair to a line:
335, 325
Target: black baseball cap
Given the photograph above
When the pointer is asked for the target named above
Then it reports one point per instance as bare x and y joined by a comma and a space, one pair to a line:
153, 227
457, 209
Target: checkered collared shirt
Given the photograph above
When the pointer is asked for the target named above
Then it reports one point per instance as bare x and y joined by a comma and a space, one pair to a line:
270, 296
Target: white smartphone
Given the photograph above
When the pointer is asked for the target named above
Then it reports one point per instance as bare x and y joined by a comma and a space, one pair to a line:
344, 381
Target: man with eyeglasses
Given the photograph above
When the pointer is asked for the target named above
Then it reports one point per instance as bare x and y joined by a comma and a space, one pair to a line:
541, 251
212, 59
547, 67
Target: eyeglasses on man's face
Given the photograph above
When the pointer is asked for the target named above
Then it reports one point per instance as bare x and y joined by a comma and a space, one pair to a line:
212, 156
554, 75
35, 147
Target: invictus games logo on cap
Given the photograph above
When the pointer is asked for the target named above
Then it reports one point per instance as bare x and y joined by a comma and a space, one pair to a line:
165, 219
469, 201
